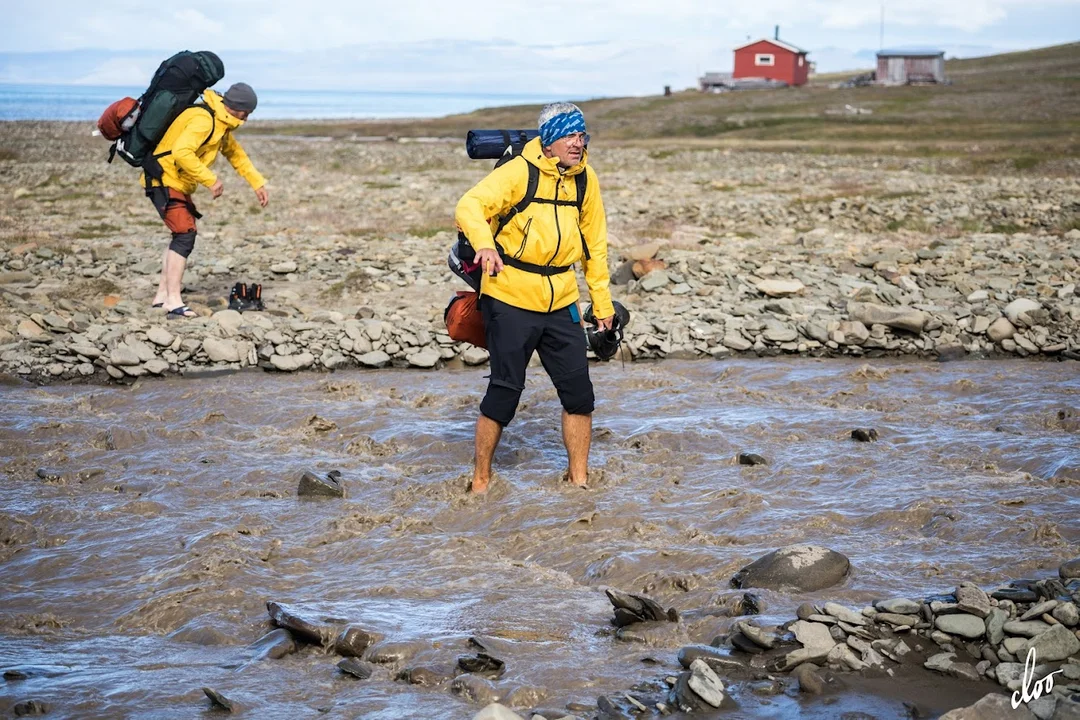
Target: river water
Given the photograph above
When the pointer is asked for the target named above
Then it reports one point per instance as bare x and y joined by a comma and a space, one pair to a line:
135, 567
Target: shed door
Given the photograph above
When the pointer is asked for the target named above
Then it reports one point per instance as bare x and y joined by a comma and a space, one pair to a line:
895, 71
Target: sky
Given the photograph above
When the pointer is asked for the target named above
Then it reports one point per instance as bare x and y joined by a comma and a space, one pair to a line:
580, 48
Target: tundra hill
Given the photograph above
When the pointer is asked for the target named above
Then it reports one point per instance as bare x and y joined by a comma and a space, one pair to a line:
1020, 108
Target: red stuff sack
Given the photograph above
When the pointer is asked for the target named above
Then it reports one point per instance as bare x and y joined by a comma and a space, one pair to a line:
464, 322
112, 121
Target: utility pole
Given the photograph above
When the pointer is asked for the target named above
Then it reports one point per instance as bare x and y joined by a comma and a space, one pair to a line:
881, 35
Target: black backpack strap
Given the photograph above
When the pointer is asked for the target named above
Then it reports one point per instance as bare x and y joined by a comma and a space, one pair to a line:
581, 180
526, 200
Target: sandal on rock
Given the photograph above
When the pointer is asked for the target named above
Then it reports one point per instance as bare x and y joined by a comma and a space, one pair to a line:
181, 312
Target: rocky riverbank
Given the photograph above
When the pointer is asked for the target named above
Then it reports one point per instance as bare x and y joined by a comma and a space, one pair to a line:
715, 254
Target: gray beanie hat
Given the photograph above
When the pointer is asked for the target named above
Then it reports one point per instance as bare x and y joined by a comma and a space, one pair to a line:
241, 97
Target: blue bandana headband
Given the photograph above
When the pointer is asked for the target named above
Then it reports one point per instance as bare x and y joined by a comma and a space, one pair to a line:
560, 126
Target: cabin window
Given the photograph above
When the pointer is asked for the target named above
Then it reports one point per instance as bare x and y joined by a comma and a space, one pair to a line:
801, 58
765, 59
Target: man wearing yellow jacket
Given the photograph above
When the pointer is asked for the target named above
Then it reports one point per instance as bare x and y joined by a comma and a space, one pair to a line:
183, 159
529, 291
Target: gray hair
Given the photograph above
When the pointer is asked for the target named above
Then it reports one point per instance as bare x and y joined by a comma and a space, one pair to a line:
552, 109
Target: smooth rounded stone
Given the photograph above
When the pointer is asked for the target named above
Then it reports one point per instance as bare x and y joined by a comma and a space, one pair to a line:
799, 567
898, 606
475, 356
805, 611
426, 358
972, 600
273, 645
1000, 330
356, 667
961, 624
704, 682
353, 641
474, 689
751, 459
388, 653
897, 620
1026, 628
1057, 643
482, 664
1018, 306
495, 711
159, 336
30, 708
314, 486
994, 706
745, 644
1016, 645
1067, 614
219, 700
864, 435
995, 625
899, 318
718, 659
1039, 609
313, 631
655, 634
809, 680
221, 349
423, 676
777, 287
845, 614
292, 363
525, 696
229, 320
373, 359
1016, 595
1069, 570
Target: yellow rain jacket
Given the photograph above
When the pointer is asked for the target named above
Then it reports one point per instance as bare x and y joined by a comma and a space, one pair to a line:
541, 234
188, 164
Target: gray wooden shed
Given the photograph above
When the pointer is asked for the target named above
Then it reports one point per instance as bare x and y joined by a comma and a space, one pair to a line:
903, 67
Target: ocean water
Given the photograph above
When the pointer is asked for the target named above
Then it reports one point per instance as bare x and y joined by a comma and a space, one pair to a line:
86, 102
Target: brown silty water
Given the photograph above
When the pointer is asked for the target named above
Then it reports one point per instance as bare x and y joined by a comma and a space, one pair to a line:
136, 566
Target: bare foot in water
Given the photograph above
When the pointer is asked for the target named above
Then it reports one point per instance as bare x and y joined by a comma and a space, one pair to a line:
578, 482
479, 486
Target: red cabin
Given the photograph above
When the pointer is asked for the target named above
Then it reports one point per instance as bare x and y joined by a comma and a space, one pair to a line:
772, 60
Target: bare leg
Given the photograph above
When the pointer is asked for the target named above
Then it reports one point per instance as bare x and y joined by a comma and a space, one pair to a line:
175, 264
488, 433
162, 292
577, 437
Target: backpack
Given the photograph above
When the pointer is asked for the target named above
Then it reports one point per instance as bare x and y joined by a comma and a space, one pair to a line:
486, 144
138, 126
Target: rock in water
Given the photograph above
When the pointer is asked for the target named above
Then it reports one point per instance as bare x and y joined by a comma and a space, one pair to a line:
751, 459
482, 664
630, 609
219, 700
352, 641
860, 435
309, 630
313, 486
800, 567
356, 668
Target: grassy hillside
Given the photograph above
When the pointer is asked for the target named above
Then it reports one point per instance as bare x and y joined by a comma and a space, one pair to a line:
1022, 107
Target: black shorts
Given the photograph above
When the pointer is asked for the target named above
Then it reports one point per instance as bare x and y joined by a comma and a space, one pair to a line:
513, 335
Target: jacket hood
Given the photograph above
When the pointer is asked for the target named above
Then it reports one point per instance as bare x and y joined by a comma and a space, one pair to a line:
221, 114
534, 153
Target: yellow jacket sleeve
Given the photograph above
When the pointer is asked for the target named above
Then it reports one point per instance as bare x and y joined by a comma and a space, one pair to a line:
230, 148
492, 196
184, 150
594, 230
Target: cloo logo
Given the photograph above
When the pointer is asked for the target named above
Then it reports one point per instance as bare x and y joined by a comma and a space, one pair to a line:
1037, 689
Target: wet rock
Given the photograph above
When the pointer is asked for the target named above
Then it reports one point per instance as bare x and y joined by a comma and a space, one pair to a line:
313, 631
483, 665
353, 641
867, 435
389, 653
30, 708
314, 486
705, 684
799, 567
657, 633
992, 707
751, 459
423, 676
273, 645
764, 639
630, 609
219, 700
809, 680
474, 689
495, 711
718, 659
357, 668
1070, 570
682, 697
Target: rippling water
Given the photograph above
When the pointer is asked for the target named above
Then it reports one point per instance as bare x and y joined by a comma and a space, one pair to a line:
137, 569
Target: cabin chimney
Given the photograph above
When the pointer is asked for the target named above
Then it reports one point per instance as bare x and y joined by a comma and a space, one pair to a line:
776, 36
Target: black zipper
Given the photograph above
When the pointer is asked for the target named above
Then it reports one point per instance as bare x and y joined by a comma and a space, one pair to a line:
558, 242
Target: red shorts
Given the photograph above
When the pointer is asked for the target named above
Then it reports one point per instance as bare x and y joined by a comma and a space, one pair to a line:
175, 208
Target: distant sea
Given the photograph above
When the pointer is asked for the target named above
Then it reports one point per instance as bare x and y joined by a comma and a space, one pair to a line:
86, 102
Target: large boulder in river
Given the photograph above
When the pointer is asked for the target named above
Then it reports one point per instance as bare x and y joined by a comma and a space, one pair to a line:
796, 567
